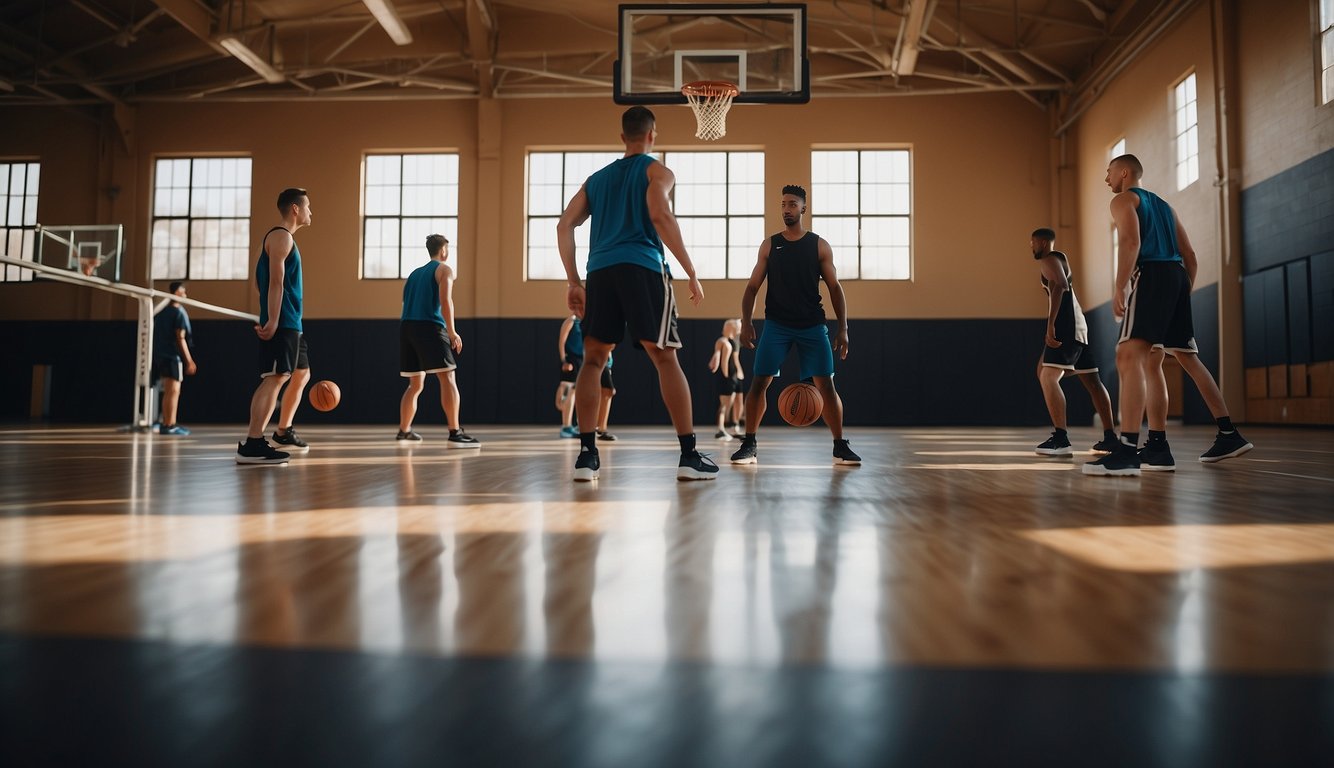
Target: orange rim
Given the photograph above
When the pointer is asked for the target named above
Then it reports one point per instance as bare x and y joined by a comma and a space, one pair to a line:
708, 88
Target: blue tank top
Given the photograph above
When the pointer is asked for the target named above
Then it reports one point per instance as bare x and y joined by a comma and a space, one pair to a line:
289, 315
622, 232
1157, 228
421, 295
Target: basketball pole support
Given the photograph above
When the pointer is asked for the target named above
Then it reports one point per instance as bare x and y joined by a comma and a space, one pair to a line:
144, 396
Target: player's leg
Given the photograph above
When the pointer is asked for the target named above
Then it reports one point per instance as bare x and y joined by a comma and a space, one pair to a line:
817, 364
277, 357
407, 405
449, 398
738, 408
1049, 378
171, 397
1228, 442
724, 408
285, 436
588, 385
604, 406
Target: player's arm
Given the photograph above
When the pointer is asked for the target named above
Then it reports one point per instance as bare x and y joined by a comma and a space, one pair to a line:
736, 363
444, 278
281, 242
184, 350
757, 276
1057, 285
1191, 262
1127, 238
660, 183
575, 213
565, 329
836, 298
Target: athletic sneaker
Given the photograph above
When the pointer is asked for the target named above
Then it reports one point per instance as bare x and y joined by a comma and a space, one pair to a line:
586, 466
256, 450
408, 437
1156, 456
1122, 462
746, 453
723, 435
569, 432
604, 436
1226, 445
1105, 445
843, 454
175, 430
289, 441
696, 466
1056, 445
461, 439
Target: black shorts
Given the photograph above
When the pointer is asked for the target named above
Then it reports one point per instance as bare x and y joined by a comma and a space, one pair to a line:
569, 376
629, 295
284, 353
1070, 356
170, 367
423, 347
728, 385
607, 383
1158, 310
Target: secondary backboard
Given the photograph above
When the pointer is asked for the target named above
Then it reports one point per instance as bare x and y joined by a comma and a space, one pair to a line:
759, 48
90, 249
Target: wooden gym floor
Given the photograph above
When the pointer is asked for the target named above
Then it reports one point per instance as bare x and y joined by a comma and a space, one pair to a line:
955, 600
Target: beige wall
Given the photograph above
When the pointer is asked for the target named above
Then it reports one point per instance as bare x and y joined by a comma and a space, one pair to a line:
1282, 120
980, 172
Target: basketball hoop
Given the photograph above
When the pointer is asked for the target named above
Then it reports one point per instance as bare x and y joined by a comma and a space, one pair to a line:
710, 100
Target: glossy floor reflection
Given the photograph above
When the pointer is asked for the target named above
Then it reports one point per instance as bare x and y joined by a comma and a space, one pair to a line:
792, 595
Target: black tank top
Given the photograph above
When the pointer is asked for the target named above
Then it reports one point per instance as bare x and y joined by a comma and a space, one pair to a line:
733, 345
794, 281
1070, 323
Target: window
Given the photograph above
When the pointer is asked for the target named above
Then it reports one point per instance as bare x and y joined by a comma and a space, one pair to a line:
719, 204
864, 200
718, 201
407, 198
18, 215
201, 218
1187, 132
554, 178
1326, 51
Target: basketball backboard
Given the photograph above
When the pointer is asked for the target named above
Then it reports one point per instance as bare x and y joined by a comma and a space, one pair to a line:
90, 249
759, 48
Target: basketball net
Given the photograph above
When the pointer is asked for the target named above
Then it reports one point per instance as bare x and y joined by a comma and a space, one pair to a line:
710, 100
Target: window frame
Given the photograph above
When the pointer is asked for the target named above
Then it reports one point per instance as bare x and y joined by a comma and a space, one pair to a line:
862, 217
242, 217
450, 230
1117, 149
27, 232
1323, 52
1183, 137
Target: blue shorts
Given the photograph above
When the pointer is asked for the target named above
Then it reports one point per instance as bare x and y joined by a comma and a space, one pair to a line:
813, 349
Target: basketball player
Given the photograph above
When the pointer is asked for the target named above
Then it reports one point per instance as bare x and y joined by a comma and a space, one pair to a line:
794, 262
172, 361
283, 356
428, 341
629, 285
726, 362
1157, 267
572, 348
1067, 350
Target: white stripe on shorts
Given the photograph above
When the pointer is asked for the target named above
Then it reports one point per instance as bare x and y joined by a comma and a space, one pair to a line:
1128, 322
665, 338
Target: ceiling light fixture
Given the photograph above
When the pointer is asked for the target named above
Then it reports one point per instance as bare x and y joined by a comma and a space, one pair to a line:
383, 11
251, 59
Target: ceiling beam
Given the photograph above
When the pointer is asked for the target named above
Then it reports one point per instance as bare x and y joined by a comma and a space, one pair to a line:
482, 35
905, 59
194, 17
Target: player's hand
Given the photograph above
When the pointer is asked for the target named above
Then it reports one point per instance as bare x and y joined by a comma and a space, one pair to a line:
456, 343
1119, 303
748, 335
1051, 338
266, 331
190, 368
740, 375
574, 299
841, 344
696, 291
567, 366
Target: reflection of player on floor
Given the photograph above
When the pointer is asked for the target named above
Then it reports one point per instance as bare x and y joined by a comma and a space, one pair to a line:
283, 355
726, 362
1067, 350
794, 262
172, 360
629, 284
427, 343
572, 358
1157, 268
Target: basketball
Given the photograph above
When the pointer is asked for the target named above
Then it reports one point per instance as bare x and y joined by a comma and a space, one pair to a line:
800, 404
324, 395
